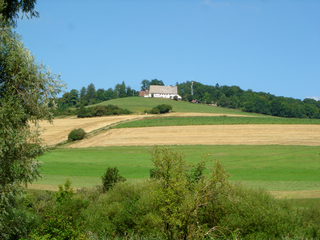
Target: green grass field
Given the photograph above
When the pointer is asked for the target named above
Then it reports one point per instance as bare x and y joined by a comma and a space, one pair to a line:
276, 168
139, 104
223, 120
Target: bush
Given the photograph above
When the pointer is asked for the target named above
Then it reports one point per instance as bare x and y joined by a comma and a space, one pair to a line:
101, 110
76, 134
163, 108
110, 178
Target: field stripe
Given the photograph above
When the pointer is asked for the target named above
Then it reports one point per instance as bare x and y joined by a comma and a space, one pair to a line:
264, 134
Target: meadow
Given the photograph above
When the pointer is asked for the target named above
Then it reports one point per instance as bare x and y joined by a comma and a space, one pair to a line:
139, 105
272, 167
212, 120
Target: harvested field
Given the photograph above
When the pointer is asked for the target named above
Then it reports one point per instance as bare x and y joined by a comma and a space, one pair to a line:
268, 134
59, 130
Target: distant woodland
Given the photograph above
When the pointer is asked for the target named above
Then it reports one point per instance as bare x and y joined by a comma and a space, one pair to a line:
222, 96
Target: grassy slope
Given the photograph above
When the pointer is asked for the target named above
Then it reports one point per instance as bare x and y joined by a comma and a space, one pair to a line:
139, 104
278, 168
183, 121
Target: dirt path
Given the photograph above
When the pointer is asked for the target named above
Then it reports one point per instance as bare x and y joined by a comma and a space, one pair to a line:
262, 134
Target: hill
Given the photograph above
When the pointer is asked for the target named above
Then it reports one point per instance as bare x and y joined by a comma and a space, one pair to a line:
139, 104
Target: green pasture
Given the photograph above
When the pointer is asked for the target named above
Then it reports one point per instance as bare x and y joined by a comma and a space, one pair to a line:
272, 167
139, 104
219, 120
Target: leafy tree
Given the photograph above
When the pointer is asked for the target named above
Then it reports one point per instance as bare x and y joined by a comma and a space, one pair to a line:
145, 84
11, 8
120, 90
91, 92
156, 82
73, 97
108, 94
27, 93
110, 178
83, 92
100, 97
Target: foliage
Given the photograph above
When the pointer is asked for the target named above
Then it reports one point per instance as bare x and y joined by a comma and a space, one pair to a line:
12, 8
60, 215
27, 93
249, 101
76, 134
101, 110
146, 83
110, 178
163, 108
90, 95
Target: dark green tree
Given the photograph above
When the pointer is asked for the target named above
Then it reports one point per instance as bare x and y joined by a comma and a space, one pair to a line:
145, 85
73, 97
120, 89
156, 82
11, 8
91, 93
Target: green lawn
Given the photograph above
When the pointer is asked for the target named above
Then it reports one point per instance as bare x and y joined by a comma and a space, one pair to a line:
222, 120
139, 104
273, 167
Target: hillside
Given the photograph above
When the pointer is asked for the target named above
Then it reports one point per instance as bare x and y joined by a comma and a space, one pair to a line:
139, 104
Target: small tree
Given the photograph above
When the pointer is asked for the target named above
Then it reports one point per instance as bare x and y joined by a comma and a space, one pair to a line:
110, 178
179, 196
76, 134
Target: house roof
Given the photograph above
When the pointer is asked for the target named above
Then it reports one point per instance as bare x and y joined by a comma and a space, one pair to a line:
142, 93
163, 89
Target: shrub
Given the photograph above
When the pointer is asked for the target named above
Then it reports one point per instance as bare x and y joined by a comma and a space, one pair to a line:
76, 134
110, 178
61, 216
163, 108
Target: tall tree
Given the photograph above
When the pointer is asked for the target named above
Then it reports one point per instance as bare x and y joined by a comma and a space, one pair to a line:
27, 93
145, 85
11, 8
156, 82
91, 92
120, 89
73, 97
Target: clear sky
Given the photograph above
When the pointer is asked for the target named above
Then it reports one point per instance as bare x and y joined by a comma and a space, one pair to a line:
264, 45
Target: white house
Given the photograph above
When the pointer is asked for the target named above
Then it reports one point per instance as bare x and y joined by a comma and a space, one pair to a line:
158, 91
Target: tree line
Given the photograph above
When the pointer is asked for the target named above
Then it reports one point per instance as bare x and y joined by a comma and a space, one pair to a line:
89, 95
250, 101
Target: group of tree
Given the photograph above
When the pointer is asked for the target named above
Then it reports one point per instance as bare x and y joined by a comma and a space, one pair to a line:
89, 95
250, 101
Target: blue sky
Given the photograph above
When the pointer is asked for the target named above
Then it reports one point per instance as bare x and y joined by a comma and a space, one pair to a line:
264, 45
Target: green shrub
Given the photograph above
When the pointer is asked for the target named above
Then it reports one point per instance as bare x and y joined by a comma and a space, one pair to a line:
61, 218
101, 110
110, 178
76, 134
162, 108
